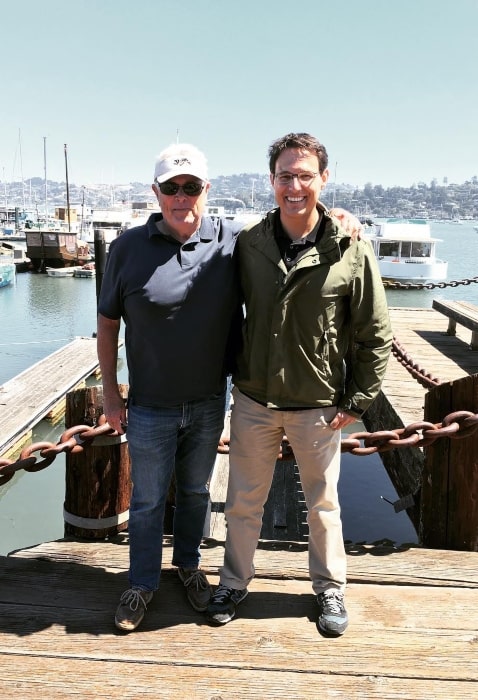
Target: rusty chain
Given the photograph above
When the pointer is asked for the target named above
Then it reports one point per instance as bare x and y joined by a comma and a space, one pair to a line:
423, 377
428, 285
456, 425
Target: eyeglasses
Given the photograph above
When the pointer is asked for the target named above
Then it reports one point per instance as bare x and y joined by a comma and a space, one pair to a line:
288, 178
190, 189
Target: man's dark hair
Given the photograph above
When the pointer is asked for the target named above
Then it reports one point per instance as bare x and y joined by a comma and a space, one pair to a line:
302, 141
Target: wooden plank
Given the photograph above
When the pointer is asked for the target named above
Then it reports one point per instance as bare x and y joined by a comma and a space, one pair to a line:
215, 526
459, 311
31, 395
412, 566
398, 632
56, 678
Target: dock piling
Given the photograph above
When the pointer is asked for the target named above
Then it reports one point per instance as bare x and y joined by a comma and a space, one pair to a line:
97, 479
449, 508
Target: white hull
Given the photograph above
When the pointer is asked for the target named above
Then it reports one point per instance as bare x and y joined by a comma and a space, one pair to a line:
61, 271
413, 270
85, 272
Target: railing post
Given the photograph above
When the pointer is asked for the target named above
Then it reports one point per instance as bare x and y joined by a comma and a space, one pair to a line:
100, 259
97, 479
449, 504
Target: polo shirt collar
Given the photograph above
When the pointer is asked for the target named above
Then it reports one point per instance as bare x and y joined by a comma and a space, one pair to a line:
205, 232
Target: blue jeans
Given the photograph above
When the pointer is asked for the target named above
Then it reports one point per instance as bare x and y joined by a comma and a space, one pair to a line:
183, 440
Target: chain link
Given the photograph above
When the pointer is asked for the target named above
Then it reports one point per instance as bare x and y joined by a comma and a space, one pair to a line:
426, 379
428, 285
456, 425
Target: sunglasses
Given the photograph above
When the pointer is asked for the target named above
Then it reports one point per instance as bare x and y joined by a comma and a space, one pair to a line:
190, 189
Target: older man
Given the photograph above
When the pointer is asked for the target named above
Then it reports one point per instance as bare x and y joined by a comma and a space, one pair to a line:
173, 283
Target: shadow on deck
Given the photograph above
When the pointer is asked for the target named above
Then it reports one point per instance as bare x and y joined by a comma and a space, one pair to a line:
412, 628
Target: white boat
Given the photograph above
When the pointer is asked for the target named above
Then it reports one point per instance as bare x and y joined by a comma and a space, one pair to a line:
406, 251
62, 271
112, 222
7, 273
87, 270
17, 253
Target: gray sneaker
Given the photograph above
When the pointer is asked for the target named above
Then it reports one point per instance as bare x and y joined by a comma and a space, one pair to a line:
222, 606
197, 587
333, 618
131, 609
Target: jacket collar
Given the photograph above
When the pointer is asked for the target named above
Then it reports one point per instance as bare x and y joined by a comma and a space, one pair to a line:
327, 250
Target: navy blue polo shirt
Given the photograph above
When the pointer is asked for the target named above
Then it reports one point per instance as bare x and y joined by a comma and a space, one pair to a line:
177, 301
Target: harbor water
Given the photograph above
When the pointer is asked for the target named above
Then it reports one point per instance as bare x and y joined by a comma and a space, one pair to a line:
40, 314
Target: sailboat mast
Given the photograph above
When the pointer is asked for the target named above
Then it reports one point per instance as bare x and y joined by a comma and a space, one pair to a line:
21, 167
67, 189
46, 185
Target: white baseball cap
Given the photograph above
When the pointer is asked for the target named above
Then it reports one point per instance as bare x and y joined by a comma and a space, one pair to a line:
180, 159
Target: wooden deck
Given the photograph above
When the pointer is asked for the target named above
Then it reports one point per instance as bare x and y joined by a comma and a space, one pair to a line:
413, 624
413, 629
423, 334
31, 395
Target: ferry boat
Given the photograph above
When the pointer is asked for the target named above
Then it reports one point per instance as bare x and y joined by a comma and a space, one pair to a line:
406, 251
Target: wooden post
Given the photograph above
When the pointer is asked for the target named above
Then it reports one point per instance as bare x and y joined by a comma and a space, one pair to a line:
449, 506
100, 259
98, 483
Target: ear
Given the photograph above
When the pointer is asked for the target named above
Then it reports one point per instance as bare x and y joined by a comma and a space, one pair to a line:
325, 177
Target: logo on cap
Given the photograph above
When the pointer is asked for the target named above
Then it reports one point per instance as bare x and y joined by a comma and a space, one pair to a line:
181, 161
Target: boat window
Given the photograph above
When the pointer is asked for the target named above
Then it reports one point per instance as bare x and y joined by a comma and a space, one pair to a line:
420, 250
407, 249
389, 248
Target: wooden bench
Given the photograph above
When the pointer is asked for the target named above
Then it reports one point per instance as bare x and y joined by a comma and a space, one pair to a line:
462, 312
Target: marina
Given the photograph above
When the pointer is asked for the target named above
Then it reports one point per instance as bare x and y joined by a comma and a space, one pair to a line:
39, 316
411, 633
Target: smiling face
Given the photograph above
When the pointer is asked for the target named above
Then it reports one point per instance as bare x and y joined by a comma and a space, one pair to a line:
296, 197
182, 213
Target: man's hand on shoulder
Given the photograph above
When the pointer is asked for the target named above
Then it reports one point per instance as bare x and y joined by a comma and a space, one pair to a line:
348, 221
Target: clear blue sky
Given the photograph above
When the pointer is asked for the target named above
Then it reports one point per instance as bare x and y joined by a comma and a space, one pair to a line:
389, 87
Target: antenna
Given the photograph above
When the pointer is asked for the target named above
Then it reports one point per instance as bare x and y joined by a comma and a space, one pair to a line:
46, 182
65, 148
335, 185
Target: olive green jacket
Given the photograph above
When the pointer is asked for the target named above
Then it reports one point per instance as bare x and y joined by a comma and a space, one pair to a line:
319, 334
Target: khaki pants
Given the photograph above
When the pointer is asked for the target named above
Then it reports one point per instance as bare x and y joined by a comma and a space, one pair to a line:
256, 434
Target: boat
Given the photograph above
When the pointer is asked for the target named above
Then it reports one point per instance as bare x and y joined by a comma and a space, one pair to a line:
18, 254
56, 249
61, 271
111, 223
87, 270
7, 273
406, 251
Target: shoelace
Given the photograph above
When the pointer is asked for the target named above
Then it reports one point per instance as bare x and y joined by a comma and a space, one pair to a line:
133, 598
334, 602
222, 593
198, 579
